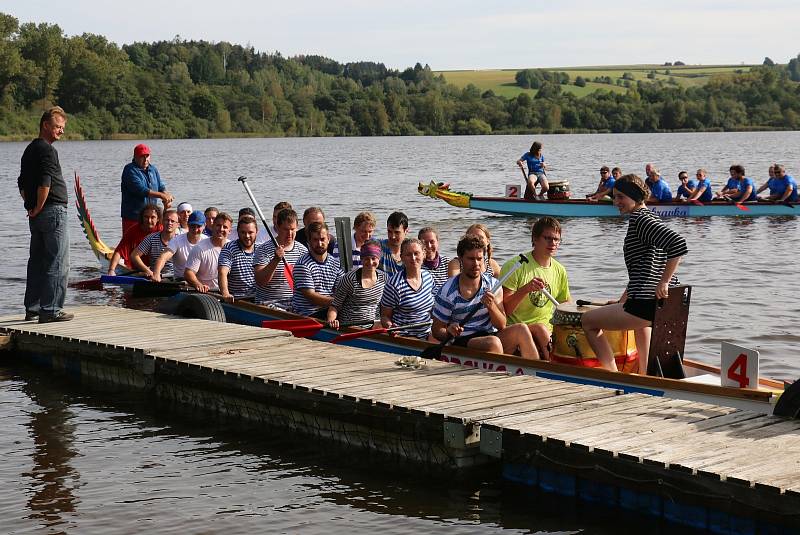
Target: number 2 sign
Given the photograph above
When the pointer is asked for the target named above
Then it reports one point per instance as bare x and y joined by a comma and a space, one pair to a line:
512, 190
739, 366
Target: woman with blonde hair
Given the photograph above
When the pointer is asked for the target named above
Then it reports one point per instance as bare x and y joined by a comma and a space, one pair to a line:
491, 267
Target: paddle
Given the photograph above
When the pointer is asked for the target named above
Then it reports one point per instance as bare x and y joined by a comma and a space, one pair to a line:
88, 284
367, 332
582, 303
549, 296
435, 352
287, 271
737, 204
303, 327
122, 280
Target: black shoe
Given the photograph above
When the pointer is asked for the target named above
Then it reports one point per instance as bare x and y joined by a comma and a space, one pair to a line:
30, 315
61, 316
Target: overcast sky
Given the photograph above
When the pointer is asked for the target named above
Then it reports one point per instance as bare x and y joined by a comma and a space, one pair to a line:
448, 34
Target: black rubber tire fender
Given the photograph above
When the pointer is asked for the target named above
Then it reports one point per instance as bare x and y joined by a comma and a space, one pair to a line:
789, 403
201, 306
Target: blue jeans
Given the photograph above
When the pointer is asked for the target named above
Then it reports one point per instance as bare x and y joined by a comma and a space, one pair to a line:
48, 264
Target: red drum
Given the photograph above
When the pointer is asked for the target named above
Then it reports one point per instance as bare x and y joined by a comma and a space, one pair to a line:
570, 345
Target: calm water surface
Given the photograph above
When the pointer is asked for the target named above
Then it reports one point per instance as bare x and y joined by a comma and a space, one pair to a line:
82, 462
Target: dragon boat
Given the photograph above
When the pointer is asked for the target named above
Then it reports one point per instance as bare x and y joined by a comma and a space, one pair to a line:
582, 208
572, 362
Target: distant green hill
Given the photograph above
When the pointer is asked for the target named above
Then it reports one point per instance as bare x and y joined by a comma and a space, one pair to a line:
501, 81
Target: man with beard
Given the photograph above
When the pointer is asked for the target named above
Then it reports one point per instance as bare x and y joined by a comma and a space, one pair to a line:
315, 274
486, 330
236, 276
523, 300
272, 285
179, 247
202, 265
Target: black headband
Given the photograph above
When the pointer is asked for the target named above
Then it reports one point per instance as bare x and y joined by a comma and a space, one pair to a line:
630, 189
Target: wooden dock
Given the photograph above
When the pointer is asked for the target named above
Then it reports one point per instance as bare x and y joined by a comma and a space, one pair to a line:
711, 467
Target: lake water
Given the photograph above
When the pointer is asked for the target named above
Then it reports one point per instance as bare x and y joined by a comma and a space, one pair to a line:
81, 461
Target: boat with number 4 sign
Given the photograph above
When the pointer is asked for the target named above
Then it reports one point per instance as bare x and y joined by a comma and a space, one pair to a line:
571, 360
565, 207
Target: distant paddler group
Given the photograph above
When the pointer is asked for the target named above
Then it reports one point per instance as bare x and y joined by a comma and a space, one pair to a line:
738, 189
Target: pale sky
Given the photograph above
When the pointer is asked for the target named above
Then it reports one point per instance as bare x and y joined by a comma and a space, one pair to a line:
451, 35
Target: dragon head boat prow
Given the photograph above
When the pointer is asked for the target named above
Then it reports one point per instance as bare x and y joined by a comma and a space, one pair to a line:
441, 190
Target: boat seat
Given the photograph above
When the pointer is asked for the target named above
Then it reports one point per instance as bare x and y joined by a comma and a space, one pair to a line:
668, 339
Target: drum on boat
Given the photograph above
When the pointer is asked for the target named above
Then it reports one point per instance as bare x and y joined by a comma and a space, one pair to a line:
558, 191
570, 345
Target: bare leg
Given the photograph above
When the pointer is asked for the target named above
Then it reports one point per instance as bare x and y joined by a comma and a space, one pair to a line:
491, 344
643, 347
544, 184
541, 337
518, 336
612, 318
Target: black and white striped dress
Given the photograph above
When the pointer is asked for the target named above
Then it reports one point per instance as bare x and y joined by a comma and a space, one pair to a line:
353, 302
649, 243
439, 273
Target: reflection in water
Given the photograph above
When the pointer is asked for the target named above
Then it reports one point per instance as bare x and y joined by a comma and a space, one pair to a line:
52, 477
179, 471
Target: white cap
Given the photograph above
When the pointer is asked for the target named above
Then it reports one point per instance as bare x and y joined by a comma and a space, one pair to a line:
185, 206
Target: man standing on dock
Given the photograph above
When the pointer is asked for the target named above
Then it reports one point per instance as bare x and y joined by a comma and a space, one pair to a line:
44, 193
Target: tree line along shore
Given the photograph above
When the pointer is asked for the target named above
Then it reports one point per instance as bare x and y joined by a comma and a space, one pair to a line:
197, 89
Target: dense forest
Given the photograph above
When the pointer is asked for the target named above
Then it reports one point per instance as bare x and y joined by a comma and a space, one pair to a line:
179, 88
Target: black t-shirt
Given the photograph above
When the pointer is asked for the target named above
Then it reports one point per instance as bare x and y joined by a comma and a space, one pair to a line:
40, 167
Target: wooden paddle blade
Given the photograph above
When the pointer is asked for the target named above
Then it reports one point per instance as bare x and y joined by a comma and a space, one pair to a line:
358, 334
433, 352
159, 289
300, 328
89, 284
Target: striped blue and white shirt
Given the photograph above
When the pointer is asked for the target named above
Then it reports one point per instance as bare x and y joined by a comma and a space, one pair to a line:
409, 305
387, 262
317, 276
152, 246
277, 290
241, 278
356, 256
353, 302
451, 307
439, 273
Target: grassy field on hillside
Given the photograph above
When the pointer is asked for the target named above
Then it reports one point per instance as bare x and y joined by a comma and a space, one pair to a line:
502, 82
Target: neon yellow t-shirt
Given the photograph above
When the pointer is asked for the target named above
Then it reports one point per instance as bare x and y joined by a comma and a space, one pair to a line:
536, 308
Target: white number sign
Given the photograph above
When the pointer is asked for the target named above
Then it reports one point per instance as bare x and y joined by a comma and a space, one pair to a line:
739, 366
512, 190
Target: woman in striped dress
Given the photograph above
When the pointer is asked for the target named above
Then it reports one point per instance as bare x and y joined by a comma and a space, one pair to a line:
434, 261
652, 253
408, 296
358, 293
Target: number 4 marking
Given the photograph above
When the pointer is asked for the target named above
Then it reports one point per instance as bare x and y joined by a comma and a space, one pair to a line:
738, 371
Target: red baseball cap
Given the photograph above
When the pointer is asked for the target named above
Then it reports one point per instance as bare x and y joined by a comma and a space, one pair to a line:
141, 150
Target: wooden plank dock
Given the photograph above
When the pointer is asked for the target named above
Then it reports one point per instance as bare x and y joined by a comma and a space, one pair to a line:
711, 467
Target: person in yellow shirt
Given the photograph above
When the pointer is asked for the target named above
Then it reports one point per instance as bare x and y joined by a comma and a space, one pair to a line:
523, 300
